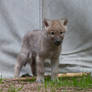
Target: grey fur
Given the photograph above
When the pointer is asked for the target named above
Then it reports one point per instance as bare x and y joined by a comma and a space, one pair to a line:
37, 47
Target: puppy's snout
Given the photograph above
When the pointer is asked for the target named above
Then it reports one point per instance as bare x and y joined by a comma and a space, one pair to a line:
57, 42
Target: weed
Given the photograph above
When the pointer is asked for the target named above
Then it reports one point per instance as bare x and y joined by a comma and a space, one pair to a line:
14, 89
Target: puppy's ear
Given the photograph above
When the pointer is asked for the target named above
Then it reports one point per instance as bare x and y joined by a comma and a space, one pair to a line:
64, 21
46, 22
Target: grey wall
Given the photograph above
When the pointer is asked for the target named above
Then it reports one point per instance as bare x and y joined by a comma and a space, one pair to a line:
16, 18
77, 47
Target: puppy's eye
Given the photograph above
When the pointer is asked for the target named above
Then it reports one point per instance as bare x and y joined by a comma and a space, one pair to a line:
52, 33
61, 32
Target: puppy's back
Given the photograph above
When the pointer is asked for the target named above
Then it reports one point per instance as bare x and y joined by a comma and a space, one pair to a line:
32, 40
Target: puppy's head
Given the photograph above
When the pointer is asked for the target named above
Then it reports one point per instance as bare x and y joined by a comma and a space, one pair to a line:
55, 30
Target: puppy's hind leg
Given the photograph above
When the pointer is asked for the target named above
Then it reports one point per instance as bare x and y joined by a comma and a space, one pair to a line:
33, 63
21, 60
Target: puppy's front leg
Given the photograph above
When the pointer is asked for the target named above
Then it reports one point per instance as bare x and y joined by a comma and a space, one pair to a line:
40, 69
54, 68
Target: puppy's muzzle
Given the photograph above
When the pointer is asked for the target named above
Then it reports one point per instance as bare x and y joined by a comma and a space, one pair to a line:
58, 42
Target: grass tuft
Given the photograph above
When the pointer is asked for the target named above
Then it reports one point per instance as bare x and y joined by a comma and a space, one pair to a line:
14, 89
81, 82
1, 79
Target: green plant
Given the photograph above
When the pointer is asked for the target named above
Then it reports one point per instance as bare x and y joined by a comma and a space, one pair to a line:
14, 89
81, 82
1, 79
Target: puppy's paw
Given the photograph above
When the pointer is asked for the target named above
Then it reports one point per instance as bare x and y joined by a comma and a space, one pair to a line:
53, 78
40, 79
16, 76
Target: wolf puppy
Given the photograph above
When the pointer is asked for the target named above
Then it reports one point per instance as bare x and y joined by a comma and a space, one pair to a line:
39, 45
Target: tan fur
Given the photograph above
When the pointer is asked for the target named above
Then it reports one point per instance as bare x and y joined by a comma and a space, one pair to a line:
39, 45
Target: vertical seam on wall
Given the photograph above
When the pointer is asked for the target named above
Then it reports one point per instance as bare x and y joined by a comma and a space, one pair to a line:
43, 12
40, 14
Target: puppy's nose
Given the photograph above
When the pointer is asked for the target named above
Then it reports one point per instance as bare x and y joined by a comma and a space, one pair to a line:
57, 42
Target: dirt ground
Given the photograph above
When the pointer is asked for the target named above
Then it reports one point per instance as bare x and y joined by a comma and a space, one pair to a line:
9, 86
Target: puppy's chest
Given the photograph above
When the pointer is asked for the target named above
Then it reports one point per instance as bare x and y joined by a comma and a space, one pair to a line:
49, 54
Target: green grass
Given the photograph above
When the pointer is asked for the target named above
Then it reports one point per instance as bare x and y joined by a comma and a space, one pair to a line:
81, 82
13, 89
76, 82
1, 80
